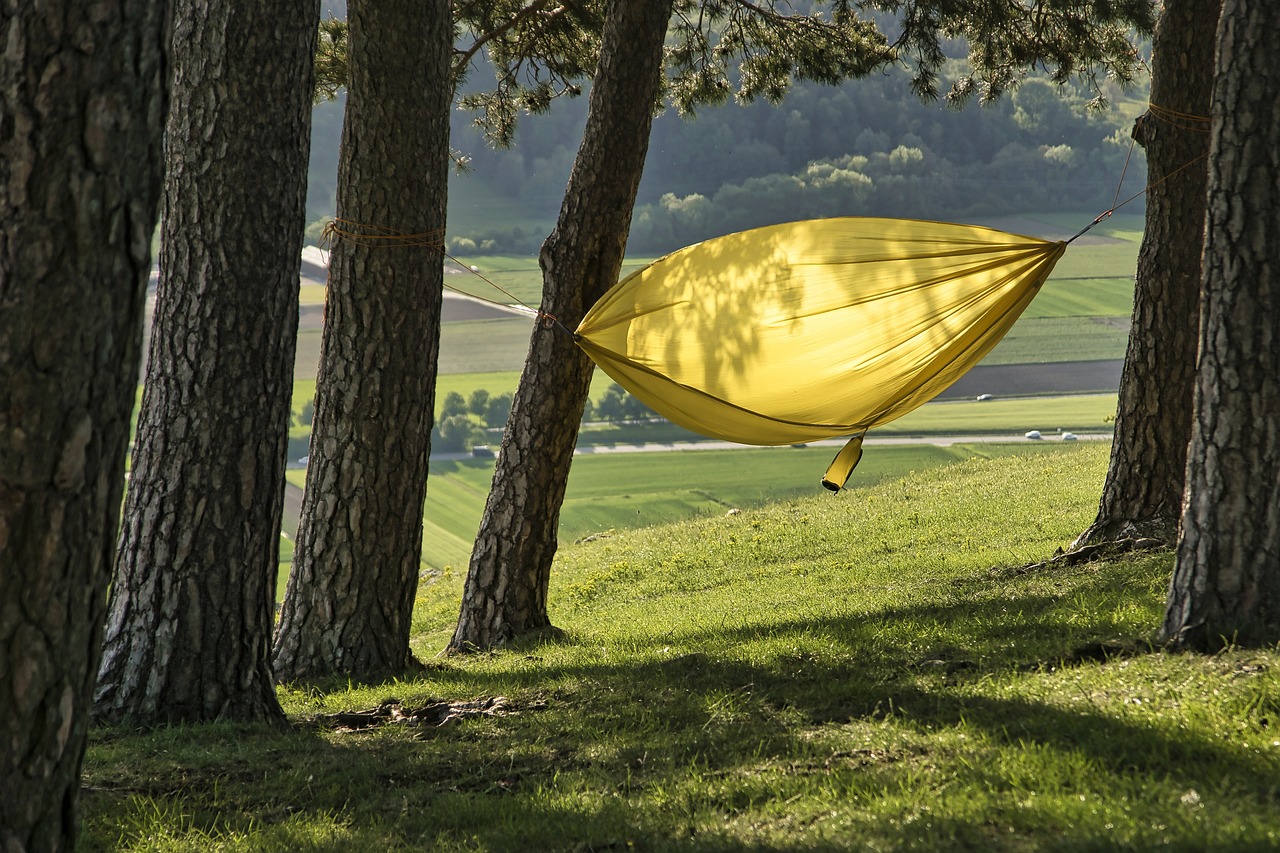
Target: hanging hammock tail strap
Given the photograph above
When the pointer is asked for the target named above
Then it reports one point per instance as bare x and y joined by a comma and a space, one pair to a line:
842, 466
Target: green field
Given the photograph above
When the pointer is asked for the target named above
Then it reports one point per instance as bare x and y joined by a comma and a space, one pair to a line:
484, 346
618, 491
622, 491
627, 490
1045, 340
311, 294
1082, 297
612, 493
1122, 226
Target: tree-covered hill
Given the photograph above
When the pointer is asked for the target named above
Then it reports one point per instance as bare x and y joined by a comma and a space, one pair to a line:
868, 148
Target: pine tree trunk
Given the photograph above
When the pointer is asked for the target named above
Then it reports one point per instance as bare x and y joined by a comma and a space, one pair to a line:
191, 614
506, 587
1226, 582
1142, 495
83, 93
358, 554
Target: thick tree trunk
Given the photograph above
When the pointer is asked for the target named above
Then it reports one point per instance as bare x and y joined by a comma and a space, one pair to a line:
1142, 495
192, 601
358, 554
1226, 582
506, 587
83, 92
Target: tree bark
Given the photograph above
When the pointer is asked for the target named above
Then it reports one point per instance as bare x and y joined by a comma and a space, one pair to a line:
191, 613
350, 595
506, 588
83, 92
1226, 582
1142, 494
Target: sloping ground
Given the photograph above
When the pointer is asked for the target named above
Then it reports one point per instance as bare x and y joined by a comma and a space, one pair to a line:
882, 670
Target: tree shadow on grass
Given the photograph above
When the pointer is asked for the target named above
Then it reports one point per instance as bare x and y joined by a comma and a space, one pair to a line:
678, 739
863, 675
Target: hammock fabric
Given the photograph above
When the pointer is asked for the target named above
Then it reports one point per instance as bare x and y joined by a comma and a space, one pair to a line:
817, 329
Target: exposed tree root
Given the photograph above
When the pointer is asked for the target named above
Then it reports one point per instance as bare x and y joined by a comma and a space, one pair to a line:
427, 717
1162, 528
1091, 553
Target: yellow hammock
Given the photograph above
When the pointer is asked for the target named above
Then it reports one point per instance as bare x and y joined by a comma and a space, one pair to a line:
815, 329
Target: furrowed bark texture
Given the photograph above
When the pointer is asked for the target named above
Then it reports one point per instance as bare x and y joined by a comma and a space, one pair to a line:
83, 92
350, 595
191, 613
1142, 495
1226, 582
506, 588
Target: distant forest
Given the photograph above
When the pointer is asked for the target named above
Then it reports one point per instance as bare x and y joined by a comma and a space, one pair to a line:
866, 148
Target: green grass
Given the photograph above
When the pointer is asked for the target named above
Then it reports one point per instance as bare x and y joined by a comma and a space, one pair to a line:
872, 670
621, 492
483, 346
1098, 261
1082, 297
636, 490
456, 493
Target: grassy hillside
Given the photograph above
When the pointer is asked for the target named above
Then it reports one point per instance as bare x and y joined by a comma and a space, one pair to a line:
612, 491
621, 492
877, 670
